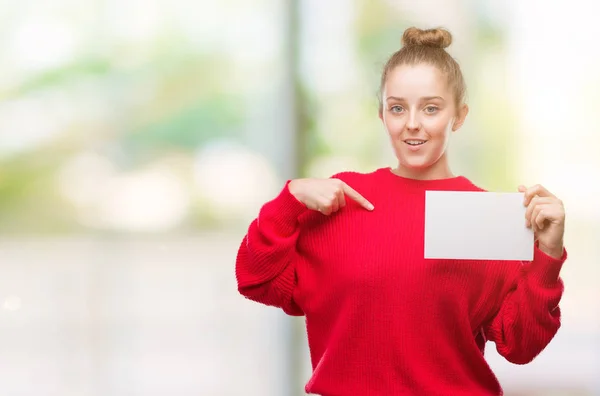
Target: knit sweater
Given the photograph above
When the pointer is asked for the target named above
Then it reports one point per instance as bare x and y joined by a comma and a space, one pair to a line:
381, 319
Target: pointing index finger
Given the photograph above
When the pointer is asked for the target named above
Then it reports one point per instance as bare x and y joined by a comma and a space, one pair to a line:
354, 195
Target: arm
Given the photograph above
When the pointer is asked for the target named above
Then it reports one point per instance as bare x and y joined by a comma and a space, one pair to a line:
529, 316
265, 270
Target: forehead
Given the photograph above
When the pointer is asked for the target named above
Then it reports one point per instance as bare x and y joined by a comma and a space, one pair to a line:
419, 80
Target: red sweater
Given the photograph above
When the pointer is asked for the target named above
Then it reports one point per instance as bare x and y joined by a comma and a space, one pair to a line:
381, 319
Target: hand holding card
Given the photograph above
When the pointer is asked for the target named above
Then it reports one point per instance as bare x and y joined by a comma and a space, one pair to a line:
545, 214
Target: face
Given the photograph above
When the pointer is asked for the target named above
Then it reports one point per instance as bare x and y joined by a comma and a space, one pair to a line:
419, 114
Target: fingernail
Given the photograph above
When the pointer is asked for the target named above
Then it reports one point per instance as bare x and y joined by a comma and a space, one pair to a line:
370, 207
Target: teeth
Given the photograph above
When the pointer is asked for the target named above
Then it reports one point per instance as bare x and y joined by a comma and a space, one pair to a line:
415, 142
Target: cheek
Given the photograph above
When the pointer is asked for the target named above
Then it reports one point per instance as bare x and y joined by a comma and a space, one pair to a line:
438, 127
394, 126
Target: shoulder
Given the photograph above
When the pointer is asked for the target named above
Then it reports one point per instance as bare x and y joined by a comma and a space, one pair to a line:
465, 184
357, 177
470, 185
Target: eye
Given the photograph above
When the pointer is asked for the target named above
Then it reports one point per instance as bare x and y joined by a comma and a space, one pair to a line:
430, 109
396, 109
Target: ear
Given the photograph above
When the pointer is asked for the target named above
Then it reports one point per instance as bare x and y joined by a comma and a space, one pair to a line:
380, 113
460, 117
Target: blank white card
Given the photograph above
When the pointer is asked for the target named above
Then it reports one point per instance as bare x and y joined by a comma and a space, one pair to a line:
476, 225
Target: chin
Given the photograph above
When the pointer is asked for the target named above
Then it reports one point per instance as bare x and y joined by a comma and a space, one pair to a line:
416, 165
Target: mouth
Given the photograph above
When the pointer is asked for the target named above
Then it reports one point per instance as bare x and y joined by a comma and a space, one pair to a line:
415, 142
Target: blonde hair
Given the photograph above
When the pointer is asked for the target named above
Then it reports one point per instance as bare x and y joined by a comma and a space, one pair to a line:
427, 46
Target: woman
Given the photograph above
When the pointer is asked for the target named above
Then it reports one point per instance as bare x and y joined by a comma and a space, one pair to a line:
347, 253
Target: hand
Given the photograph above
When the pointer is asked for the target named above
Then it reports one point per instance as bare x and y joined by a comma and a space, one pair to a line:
325, 195
546, 215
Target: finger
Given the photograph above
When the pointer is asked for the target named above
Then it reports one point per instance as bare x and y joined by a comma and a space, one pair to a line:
325, 209
536, 190
535, 219
535, 201
349, 191
541, 214
335, 204
324, 205
554, 213
341, 198
547, 213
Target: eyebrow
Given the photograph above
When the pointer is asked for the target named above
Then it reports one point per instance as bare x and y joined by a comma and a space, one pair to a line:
426, 98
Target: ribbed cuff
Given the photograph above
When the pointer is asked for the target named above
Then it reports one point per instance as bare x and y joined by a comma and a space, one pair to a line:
545, 269
283, 211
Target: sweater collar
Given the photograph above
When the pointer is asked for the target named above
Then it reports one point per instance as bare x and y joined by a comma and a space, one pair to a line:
450, 183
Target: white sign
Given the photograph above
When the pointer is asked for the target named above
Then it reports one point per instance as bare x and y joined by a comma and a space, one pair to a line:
476, 225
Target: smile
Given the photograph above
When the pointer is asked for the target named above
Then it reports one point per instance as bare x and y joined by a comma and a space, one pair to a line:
415, 142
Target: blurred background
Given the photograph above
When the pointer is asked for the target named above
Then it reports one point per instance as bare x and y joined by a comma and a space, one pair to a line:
138, 139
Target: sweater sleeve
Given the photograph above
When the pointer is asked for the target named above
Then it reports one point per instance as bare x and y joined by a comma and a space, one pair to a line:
529, 316
265, 263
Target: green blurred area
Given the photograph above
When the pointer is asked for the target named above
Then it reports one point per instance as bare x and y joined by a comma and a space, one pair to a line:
137, 105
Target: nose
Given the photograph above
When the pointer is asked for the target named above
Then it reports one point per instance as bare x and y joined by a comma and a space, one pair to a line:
413, 123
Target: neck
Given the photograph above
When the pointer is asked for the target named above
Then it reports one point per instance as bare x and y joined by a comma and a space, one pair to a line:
439, 170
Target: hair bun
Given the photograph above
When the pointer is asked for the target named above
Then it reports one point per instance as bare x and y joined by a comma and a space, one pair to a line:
437, 38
